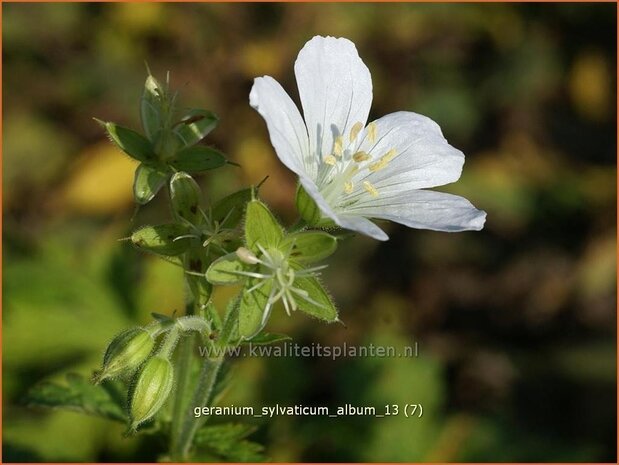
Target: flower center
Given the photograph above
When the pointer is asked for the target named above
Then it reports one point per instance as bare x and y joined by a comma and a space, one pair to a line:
276, 269
338, 170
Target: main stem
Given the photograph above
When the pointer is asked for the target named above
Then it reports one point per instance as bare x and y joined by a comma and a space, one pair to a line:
186, 423
201, 398
183, 381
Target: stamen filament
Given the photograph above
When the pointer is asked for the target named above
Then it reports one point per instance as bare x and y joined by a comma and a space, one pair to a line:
249, 274
285, 300
267, 308
185, 236
257, 286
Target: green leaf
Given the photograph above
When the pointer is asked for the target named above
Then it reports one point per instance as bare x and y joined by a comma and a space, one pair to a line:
310, 246
228, 442
185, 198
324, 308
161, 239
151, 105
195, 126
130, 142
231, 208
261, 227
263, 339
78, 395
148, 180
224, 270
252, 308
245, 451
224, 436
198, 158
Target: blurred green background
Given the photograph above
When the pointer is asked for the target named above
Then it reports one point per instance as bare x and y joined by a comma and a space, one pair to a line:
516, 324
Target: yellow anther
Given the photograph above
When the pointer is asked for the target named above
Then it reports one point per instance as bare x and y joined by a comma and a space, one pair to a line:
383, 161
390, 155
330, 160
361, 156
370, 188
348, 187
372, 132
338, 146
355, 130
379, 165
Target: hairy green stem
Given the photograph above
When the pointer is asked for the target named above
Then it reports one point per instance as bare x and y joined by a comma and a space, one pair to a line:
204, 388
169, 343
183, 381
201, 398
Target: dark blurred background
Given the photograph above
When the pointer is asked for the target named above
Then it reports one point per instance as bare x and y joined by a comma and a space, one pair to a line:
515, 324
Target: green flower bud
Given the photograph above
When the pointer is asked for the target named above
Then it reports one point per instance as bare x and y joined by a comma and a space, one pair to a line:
151, 389
185, 198
126, 352
306, 207
310, 212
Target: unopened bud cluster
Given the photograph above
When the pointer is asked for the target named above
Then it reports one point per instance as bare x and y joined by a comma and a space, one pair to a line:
137, 356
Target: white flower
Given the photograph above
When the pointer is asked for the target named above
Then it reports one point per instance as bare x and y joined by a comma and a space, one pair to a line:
355, 171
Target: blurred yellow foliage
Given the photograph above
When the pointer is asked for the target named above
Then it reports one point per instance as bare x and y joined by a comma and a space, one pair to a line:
523, 155
101, 182
506, 28
163, 289
599, 186
590, 85
259, 58
597, 270
257, 159
139, 17
61, 429
450, 442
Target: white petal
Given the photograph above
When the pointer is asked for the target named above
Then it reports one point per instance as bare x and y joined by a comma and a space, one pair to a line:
286, 128
423, 156
352, 222
423, 209
362, 225
335, 88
